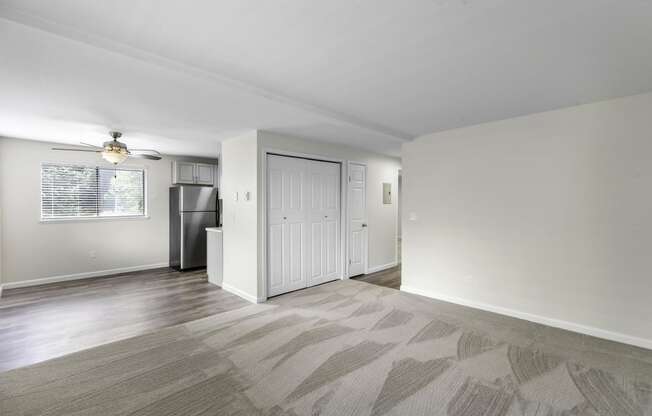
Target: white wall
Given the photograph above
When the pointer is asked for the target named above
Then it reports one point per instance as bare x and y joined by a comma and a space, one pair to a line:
399, 191
547, 217
240, 217
35, 250
1, 221
242, 171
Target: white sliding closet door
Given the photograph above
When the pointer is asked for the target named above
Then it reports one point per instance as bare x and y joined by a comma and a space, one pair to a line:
287, 236
324, 218
303, 227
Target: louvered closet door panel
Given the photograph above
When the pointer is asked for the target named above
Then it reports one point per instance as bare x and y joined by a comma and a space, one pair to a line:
287, 224
324, 218
315, 186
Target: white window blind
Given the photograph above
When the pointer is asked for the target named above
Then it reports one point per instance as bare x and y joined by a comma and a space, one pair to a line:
69, 191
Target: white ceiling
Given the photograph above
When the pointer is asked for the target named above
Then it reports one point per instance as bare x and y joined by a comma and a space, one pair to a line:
183, 75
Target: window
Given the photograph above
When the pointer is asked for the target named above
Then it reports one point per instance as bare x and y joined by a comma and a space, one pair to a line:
69, 191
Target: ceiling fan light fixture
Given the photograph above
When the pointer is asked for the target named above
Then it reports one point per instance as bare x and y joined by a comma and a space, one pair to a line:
115, 156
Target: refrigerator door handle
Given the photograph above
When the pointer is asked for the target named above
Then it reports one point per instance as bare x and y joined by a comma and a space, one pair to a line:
181, 239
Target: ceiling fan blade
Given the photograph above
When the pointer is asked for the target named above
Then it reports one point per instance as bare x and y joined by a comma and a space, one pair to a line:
145, 156
76, 150
91, 145
156, 152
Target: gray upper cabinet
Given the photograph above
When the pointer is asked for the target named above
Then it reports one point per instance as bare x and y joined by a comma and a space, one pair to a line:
193, 173
204, 174
183, 172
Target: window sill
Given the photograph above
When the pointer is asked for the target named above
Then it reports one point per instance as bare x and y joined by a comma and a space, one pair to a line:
93, 219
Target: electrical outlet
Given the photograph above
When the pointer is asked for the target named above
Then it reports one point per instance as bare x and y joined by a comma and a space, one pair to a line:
92, 254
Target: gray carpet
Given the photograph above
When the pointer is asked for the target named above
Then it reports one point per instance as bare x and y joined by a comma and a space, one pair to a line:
345, 348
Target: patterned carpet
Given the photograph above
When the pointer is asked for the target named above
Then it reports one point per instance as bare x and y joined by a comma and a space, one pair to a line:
344, 348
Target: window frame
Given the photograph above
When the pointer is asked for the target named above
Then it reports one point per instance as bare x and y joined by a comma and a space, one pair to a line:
144, 216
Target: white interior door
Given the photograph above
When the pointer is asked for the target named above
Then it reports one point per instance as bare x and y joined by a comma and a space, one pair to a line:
357, 219
287, 237
303, 226
324, 221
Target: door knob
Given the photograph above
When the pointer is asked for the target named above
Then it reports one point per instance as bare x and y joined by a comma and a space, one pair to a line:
364, 225
285, 218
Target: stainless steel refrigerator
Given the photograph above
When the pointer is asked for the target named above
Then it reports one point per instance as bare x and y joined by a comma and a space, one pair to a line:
192, 209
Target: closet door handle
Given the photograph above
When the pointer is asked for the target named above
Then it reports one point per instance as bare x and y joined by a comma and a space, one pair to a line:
364, 225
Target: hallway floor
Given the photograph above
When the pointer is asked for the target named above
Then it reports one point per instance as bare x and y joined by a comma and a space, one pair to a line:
388, 278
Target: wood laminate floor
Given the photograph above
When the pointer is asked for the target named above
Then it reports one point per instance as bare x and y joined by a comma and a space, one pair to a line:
43, 322
387, 278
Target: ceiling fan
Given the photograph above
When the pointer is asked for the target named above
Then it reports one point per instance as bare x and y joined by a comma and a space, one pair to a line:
116, 152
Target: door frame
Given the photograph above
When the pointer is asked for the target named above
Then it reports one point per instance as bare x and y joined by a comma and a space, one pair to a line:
348, 219
262, 191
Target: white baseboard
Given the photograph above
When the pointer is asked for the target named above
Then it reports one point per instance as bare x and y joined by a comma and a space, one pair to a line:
243, 295
375, 269
557, 323
79, 276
